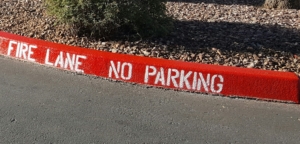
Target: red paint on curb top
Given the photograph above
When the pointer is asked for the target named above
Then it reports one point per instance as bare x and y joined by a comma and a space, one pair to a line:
213, 79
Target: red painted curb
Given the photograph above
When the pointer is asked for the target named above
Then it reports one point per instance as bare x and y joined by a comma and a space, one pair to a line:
223, 80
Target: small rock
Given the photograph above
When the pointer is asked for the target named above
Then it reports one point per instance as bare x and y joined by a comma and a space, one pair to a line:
193, 55
114, 50
146, 53
12, 120
250, 65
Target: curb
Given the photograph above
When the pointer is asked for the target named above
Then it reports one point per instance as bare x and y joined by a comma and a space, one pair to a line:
195, 77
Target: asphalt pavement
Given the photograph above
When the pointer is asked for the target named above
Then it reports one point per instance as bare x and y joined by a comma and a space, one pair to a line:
43, 105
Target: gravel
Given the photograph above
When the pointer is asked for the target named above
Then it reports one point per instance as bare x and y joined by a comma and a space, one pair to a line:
236, 33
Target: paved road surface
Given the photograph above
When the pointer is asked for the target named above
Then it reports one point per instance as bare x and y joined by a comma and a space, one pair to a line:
44, 105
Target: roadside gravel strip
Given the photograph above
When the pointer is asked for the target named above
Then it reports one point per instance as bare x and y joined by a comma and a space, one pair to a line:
221, 32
